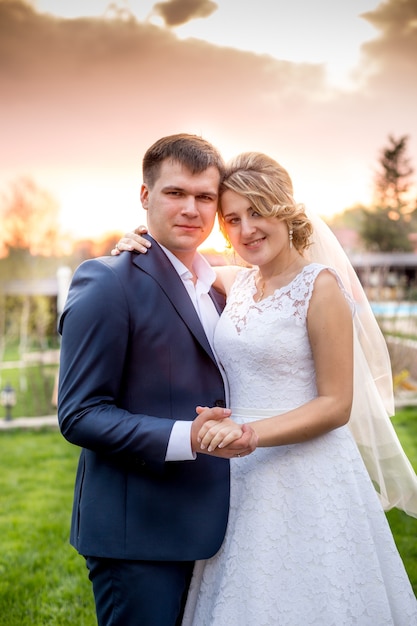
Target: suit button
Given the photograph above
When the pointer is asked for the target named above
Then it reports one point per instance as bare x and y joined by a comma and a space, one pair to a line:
221, 403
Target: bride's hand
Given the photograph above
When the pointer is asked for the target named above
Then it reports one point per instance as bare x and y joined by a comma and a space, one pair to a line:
217, 433
132, 241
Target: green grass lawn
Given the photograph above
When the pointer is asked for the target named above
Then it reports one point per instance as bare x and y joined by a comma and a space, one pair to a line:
404, 527
43, 581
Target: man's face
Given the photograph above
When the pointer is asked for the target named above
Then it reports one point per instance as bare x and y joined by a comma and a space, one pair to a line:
181, 207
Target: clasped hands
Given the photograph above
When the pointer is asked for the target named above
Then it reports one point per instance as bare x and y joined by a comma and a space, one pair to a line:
214, 432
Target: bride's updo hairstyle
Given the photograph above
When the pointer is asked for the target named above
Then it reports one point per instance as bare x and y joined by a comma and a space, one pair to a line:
268, 188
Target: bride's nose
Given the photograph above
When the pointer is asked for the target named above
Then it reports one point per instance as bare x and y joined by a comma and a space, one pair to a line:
247, 227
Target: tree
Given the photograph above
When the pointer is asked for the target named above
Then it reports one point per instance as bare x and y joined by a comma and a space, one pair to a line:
382, 233
30, 219
386, 225
393, 181
29, 236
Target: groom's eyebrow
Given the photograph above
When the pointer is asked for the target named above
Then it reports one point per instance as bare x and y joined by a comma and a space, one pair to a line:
210, 193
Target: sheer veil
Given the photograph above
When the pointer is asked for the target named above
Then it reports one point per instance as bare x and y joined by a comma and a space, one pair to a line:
373, 400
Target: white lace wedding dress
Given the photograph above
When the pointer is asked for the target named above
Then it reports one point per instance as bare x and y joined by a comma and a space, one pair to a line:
307, 543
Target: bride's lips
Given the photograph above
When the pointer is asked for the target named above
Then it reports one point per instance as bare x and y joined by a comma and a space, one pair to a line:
255, 243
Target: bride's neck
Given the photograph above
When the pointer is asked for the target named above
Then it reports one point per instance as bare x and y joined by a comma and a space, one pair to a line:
268, 272
269, 279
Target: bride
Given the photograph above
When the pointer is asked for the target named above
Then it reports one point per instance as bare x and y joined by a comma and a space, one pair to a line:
307, 541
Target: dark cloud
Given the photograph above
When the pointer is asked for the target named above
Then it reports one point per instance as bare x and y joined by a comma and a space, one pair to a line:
178, 12
391, 58
81, 81
95, 92
394, 17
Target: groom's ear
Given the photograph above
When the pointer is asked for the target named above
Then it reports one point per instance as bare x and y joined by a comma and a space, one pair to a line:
144, 196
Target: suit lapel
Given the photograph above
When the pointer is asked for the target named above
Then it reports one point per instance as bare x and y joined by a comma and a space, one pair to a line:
218, 299
156, 264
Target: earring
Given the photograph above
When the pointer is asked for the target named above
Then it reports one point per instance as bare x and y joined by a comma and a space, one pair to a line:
290, 232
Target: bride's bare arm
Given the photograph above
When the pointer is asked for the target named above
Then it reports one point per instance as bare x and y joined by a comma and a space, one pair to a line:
225, 274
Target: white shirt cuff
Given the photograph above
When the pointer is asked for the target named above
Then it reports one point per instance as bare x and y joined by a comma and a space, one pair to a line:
179, 444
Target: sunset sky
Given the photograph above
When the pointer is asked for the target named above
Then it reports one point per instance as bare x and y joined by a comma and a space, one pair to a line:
87, 86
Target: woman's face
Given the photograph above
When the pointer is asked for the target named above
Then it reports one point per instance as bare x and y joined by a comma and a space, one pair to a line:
258, 240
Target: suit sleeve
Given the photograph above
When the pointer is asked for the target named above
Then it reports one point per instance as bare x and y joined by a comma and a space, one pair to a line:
95, 343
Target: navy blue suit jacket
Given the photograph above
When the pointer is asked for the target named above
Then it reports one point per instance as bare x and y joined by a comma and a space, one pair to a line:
134, 358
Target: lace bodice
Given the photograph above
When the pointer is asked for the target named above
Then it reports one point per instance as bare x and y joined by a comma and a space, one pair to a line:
280, 374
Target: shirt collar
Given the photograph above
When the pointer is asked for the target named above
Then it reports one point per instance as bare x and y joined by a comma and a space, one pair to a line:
204, 272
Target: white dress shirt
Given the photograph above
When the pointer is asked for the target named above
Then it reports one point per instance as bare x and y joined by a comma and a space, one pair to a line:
179, 445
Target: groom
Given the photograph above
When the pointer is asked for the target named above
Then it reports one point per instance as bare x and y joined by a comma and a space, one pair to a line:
136, 360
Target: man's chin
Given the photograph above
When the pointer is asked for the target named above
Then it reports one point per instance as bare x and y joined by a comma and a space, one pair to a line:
191, 239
